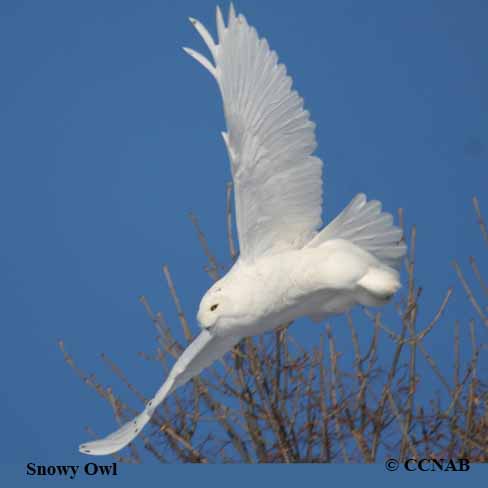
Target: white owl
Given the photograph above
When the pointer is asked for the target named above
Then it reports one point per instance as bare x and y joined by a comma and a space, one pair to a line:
287, 266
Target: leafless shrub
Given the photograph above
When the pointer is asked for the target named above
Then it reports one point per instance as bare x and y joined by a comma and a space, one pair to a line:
272, 400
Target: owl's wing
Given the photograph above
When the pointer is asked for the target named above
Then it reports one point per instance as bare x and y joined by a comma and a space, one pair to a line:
202, 352
270, 140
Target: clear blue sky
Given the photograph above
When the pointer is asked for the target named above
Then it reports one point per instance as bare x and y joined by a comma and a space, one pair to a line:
110, 134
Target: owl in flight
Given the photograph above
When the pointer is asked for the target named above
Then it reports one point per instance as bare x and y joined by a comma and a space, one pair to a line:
288, 265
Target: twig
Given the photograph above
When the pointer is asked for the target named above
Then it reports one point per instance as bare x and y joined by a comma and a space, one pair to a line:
123, 378
176, 300
469, 293
213, 270
150, 447
481, 221
271, 414
402, 426
198, 457
325, 453
412, 310
378, 420
335, 404
477, 273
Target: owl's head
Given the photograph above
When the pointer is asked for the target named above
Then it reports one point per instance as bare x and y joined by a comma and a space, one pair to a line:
214, 308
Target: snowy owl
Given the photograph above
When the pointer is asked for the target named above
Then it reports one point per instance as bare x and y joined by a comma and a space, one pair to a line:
288, 266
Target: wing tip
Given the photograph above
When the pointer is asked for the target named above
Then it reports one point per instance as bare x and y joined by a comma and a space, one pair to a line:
205, 35
220, 24
83, 449
87, 449
202, 60
232, 12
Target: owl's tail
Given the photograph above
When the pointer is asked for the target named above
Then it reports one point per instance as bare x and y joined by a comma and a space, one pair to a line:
364, 224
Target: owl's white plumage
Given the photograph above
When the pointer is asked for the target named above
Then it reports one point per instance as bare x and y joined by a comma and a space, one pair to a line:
287, 268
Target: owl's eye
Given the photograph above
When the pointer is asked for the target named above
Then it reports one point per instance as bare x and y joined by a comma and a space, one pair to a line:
214, 307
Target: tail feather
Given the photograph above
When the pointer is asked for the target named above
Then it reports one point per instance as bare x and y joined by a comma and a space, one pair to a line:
364, 224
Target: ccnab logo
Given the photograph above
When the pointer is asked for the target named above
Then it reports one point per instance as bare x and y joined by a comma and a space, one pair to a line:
428, 464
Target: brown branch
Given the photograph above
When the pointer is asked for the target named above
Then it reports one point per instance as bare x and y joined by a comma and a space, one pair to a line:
197, 456
248, 405
335, 403
213, 269
481, 220
477, 273
238, 444
378, 417
176, 300
168, 341
271, 414
122, 377
325, 452
403, 427
469, 293
150, 447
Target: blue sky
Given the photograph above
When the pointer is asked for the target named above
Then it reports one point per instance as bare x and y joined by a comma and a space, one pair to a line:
111, 134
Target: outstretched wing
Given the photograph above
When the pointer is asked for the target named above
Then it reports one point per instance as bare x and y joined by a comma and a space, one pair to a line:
202, 352
269, 138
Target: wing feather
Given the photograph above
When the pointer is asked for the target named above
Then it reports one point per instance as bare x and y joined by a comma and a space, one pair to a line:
201, 353
270, 140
